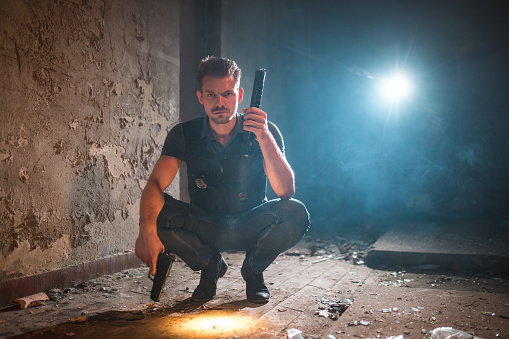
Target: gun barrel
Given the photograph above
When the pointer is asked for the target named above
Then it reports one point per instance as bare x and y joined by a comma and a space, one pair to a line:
256, 99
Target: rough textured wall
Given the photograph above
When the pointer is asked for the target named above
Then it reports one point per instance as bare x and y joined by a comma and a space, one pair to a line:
88, 92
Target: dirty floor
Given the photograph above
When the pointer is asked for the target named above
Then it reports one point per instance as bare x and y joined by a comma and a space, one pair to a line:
320, 287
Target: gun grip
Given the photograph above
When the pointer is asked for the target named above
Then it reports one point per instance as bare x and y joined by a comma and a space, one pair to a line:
164, 262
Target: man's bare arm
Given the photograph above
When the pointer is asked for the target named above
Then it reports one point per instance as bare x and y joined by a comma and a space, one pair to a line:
148, 246
277, 168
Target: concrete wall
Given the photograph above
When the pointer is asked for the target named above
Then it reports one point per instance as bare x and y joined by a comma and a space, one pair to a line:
89, 90
200, 35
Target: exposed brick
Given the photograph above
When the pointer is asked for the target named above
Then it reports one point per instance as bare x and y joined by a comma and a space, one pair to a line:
90, 270
63, 278
70, 276
126, 261
138, 262
66, 277
24, 286
130, 259
76, 274
119, 263
7, 292
134, 261
105, 266
46, 281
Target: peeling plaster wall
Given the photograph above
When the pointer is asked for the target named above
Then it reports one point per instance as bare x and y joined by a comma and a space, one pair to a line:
89, 90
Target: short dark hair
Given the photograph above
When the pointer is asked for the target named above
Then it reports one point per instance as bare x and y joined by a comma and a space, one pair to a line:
218, 67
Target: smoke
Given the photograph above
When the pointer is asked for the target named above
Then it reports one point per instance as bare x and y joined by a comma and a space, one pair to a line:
359, 162
367, 168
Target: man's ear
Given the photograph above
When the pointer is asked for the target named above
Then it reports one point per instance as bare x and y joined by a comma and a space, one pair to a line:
241, 95
199, 94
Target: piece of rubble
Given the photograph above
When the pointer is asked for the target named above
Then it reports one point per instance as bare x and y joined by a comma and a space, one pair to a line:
55, 294
157, 305
339, 307
449, 332
322, 313
71, 290
320, 260
294, 333
32, 300
78, 320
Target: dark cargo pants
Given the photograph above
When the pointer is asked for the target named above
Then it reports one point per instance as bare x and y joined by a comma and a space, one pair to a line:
263, 232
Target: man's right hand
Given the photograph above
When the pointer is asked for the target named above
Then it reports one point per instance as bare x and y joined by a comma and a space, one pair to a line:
148, 246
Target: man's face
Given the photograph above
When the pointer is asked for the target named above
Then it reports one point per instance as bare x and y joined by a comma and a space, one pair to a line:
220, 98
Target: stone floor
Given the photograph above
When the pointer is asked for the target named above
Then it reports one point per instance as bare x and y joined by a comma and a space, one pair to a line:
321, 287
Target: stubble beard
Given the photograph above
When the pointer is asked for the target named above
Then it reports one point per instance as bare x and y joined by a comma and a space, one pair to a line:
221, 119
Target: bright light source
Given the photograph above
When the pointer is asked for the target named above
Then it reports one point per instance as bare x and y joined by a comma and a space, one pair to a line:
397, 88
217, 323
213, 323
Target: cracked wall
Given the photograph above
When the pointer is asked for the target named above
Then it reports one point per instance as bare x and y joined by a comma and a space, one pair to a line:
89, 90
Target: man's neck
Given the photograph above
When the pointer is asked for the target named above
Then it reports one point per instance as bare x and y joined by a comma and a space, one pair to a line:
222, 132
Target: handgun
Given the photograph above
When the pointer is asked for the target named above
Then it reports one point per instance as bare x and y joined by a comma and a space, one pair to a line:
164, 262
256, 99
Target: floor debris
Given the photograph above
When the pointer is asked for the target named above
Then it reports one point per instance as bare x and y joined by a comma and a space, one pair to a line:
449, 332
294, 333
410, 304
78, 320
33, 300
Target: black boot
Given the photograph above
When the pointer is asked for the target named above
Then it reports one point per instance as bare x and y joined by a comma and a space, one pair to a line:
256, 291
215, 269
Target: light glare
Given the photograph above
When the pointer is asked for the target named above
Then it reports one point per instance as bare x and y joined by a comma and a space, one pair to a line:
397, 87
215, 323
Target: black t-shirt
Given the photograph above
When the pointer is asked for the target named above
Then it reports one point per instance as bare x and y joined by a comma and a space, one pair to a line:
220, 179
175, 144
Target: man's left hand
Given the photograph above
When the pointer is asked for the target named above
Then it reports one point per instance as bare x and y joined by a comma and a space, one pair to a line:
255, 121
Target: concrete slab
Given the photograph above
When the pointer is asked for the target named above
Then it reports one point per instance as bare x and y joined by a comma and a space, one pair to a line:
480, 247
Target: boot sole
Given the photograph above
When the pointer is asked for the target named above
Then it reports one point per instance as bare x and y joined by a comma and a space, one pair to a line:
259, 301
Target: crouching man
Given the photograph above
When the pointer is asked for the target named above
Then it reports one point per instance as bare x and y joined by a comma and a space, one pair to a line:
229, 209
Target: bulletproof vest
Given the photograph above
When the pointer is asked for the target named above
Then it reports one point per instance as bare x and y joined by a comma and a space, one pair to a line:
222, 182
